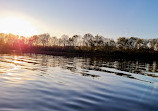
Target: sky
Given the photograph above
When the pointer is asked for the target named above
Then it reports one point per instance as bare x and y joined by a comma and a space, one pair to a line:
109, 18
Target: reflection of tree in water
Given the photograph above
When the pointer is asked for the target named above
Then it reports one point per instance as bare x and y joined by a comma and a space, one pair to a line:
84, 65
43, 64
135, 67
44, 60
155, 67
69, 64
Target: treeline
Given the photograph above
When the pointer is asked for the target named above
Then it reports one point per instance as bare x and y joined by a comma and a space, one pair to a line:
86, 43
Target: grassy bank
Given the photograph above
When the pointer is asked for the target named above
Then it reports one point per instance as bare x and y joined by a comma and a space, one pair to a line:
79, 52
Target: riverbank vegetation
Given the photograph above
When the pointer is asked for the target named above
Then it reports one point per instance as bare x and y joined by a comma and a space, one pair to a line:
87, 45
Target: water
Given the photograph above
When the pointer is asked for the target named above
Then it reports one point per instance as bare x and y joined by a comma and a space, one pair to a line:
45, 83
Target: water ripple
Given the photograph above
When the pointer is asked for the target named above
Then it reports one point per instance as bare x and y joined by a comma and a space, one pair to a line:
34, 82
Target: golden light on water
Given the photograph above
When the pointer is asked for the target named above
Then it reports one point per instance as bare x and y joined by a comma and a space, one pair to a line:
17, 26
12, 75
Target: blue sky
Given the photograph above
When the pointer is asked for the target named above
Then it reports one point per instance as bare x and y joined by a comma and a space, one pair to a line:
110, 18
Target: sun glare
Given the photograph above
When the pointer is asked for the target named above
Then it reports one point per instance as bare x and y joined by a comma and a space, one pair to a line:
17, 26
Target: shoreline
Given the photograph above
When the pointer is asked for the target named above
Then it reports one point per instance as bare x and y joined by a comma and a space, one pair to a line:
115, 55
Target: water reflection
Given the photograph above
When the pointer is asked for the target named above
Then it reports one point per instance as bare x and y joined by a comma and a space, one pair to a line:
11, 70
82, 66
49, 82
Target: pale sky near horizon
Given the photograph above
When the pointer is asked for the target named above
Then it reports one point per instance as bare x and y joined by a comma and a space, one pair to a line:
109, 18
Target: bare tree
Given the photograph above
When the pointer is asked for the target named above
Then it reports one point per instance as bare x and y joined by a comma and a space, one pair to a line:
44, 38
88, 39
64, 39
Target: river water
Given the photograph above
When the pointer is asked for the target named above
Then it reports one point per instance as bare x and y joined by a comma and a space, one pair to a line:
33, 82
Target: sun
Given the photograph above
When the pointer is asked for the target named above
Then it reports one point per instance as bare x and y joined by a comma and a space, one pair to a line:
17, 26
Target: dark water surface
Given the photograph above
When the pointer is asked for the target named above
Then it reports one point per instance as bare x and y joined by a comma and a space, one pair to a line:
47, 83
